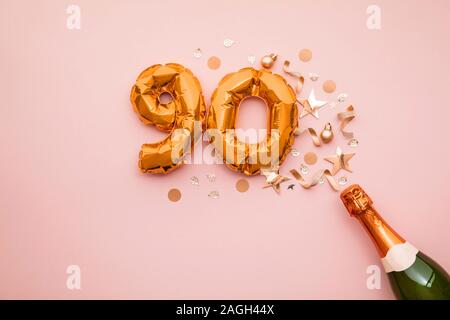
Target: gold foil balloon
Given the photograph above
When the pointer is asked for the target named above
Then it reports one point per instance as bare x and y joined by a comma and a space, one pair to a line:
327, 133
282, 120
178, 116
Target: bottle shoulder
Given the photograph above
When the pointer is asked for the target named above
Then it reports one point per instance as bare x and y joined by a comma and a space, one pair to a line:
424, 279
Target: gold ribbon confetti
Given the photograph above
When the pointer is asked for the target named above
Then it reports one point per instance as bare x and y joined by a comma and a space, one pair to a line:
298, 75
313, 134
315, 179
345, 117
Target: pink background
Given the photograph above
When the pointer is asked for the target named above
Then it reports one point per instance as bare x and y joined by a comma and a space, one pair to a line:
71, 193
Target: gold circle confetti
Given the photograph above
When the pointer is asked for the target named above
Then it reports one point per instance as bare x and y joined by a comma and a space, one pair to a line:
174, 195
305, 55
329, 86
242, 185
310, 158
214, 63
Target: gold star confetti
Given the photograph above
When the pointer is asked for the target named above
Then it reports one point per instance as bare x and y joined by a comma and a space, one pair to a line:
311, 105
340, 161
273, 178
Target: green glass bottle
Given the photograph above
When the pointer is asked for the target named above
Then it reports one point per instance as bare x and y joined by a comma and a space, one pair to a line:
412, 275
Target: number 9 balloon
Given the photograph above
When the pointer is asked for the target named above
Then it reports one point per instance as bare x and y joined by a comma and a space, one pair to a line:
181, 114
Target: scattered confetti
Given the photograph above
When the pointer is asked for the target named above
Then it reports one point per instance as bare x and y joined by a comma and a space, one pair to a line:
304, 169
342, 181
211, 177
174, 195
342, 97
295, 152
340, 161
345, 117
291, 187
315, 179
242, 185
313, 76
251, 59
194, 181
214, 63
305, 55
273, 178
228, 43
353, 143
214, 194
312, 134
298, 75
197, 53
329, 86
311, 105
310, 158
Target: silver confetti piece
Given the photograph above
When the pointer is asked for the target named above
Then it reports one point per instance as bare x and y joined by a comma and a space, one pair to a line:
214, 194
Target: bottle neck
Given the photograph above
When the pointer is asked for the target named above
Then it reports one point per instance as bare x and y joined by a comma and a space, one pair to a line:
383, 236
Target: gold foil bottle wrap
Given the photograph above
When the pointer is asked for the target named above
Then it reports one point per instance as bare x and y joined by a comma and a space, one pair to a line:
359, 204
356, 200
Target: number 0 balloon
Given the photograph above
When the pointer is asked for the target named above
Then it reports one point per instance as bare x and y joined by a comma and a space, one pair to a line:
281, 123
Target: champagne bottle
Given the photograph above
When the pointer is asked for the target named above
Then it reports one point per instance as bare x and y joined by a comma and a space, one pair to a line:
412, 274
